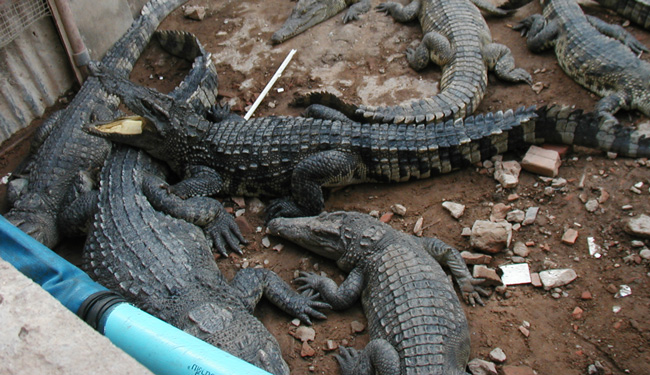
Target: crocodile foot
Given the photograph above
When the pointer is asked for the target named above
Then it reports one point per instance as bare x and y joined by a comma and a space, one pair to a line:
224, 233
347, 359
283, 207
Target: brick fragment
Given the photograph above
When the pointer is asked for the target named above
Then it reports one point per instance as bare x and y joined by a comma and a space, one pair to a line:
542, 161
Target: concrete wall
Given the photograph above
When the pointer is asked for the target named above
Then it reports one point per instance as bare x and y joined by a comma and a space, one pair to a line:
40, 336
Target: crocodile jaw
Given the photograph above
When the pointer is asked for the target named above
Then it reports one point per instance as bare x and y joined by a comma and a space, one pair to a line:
313, 233
125, 126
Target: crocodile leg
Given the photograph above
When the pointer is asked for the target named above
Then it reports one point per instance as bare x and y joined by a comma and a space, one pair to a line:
618, 33
199, 181
378, 357
539, 35
331, 167
400, 12
326, 113
253, 283
339, 297
205, 212
610, 104
434, 47
500, 60
451, 258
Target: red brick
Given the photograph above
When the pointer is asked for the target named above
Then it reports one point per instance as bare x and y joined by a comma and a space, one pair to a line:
570, 236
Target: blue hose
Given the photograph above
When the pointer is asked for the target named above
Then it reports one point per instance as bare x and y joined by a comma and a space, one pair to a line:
161, 347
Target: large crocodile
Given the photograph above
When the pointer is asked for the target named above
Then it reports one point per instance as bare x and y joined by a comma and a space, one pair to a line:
293, 157
165, 265
65, 148
599, 56
308, 13
415, 320
457, 38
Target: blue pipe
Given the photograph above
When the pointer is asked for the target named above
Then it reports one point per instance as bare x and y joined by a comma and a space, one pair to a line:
159, 346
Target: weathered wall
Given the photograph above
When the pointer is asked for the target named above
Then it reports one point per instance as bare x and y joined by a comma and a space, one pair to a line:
35, 71
34, 68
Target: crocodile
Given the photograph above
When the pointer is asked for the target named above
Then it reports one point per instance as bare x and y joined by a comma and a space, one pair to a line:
598, 56
308, 13
637, 11
165, 266
415, 320
457, 38
65, 148
294, 157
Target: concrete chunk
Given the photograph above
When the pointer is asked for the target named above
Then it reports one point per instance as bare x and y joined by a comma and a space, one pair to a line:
491, 237
40, 336
557, 277
542, 161
639, 226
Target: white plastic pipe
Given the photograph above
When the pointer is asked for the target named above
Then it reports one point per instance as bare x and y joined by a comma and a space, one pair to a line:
275, 77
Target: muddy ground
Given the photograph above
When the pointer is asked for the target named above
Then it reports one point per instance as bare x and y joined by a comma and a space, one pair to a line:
364, 62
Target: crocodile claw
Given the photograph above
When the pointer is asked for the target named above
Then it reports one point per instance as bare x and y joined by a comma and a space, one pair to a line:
347, 358
524, 25
472, 293
308, 304
637, 47
309, 281
384, 7
225, 233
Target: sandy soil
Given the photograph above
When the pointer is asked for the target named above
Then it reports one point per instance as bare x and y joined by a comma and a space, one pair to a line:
364, 63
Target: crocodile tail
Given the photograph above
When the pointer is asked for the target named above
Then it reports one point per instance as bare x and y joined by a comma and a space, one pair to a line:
124, 53
329, 100
200, 87
180, 43
453, 102
566, 125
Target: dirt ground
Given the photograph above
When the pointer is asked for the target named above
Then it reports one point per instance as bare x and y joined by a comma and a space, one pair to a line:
364, 62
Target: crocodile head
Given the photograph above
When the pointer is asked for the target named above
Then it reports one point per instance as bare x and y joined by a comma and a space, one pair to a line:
158, 126
305, 15
341, 236
320, 234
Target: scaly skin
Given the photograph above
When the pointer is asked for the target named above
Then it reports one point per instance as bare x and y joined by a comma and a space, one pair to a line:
415, 320
309, 13
277, 156
637, 11
165, 265
599, 56
67, 149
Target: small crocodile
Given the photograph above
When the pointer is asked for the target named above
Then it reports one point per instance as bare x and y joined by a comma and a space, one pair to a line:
599, 56
294, 157
415, 320
457, 38
308, 13
165, 266
65, 148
